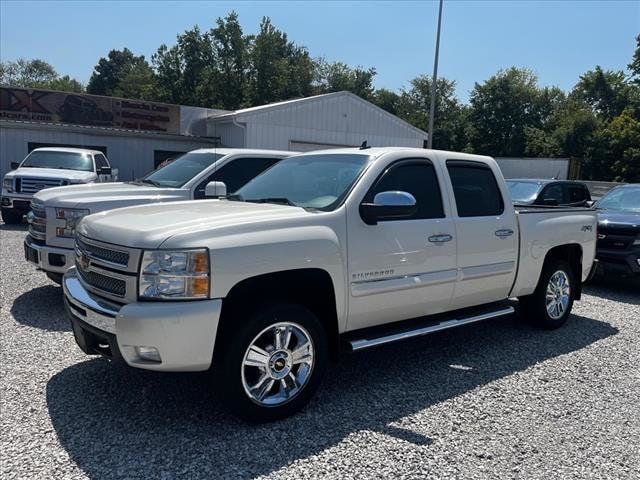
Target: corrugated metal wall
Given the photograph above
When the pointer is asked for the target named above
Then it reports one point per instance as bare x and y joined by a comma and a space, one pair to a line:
132, 155
340, 119
534, 167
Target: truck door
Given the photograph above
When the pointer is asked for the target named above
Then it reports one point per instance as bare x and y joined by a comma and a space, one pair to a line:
101, 162
486, 234
402, 268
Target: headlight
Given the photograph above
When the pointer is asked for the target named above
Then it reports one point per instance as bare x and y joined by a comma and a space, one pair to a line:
8, 184
71, 217
177, 275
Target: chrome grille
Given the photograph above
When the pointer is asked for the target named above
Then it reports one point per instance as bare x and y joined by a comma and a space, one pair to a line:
38, 223
34, 185
104, 254
102, 282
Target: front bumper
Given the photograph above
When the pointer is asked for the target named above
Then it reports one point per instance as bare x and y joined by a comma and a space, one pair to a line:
47, 258
184, 333
619, 261
21, 203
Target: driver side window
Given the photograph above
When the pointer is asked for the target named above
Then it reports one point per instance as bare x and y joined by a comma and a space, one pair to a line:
417, 177
236, 174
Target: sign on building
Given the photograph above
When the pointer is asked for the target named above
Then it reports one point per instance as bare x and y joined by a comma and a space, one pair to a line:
82, 109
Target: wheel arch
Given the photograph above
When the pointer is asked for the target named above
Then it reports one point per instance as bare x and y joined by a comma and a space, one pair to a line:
311, 287
572, 253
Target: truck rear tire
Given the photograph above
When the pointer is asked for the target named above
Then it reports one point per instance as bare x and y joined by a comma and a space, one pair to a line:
11, 217
549, 306
272, 363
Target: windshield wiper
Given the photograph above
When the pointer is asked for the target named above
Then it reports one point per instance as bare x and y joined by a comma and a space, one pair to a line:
278, 200
235, 197
150, 182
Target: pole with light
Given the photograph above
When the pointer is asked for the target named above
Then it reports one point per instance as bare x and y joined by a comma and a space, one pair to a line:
433, 82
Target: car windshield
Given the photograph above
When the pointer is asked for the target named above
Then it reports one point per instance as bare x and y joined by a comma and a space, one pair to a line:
312, 181
60, 160
181, 170
625, 199
523, 192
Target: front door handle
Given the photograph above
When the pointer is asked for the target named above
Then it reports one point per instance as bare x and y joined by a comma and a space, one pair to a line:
440, 238
504, 232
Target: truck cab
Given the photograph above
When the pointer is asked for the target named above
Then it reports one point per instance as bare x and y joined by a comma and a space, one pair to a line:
47, 168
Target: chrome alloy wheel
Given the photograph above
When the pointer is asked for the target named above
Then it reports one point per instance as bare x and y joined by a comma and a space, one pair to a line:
558, 294
277, 364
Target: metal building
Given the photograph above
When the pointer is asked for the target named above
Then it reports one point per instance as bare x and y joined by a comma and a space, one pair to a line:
339, 119
137, 135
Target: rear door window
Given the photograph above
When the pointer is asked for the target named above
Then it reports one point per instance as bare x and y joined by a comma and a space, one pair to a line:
475, 189
551, 193
577, 194
101, 161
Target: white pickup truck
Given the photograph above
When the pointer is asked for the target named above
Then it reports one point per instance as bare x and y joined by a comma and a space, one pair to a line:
195, 175
340, 247
46, 168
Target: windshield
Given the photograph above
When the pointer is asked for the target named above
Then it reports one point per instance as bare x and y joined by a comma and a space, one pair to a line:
60, 160
523, 192
626, 199
311, 181
181, 170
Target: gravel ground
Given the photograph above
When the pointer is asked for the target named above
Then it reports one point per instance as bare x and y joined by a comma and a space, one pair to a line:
492, 400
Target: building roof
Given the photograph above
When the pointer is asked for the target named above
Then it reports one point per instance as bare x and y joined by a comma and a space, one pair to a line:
315, 98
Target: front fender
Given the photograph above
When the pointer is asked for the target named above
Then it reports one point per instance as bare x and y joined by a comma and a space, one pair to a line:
239, 257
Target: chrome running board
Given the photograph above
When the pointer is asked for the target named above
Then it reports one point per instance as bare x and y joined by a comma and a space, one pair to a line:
362, 343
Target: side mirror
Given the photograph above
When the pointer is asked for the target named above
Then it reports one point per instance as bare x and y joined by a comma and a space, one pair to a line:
387, 206
104, 171
15, 165
550, 202
590, 203
215, 190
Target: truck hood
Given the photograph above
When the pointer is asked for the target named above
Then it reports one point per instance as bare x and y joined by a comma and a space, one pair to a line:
105, 196
628, 221
148, 226
72, 175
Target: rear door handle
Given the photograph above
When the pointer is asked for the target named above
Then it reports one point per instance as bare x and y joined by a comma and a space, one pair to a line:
504, 232
440, 238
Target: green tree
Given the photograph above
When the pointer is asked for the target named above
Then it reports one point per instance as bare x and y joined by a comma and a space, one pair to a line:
139, 82
503, 107
606, 92
230, 47
634, 66
110, 72
451, 117
65, 84
387, 100
27, 73
338, 76
279, 69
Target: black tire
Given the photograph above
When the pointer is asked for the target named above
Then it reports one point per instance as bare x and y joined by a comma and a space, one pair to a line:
534, 307
229, 371
55, 277
11, 217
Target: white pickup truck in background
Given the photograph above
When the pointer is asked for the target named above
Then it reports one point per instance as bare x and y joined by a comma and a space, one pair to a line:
46, 168
355, 247
195, 175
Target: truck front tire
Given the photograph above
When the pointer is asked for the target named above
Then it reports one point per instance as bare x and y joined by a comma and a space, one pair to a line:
549, 306
272, 363
11, 217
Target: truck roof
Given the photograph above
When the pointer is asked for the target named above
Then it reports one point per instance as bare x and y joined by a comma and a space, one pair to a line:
379, 151
229, 151
66, 149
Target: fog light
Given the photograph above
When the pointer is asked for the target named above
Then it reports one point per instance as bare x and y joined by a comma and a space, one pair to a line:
148, 353
6, 202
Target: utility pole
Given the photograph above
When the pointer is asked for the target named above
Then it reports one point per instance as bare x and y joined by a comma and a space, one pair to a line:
435, 78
